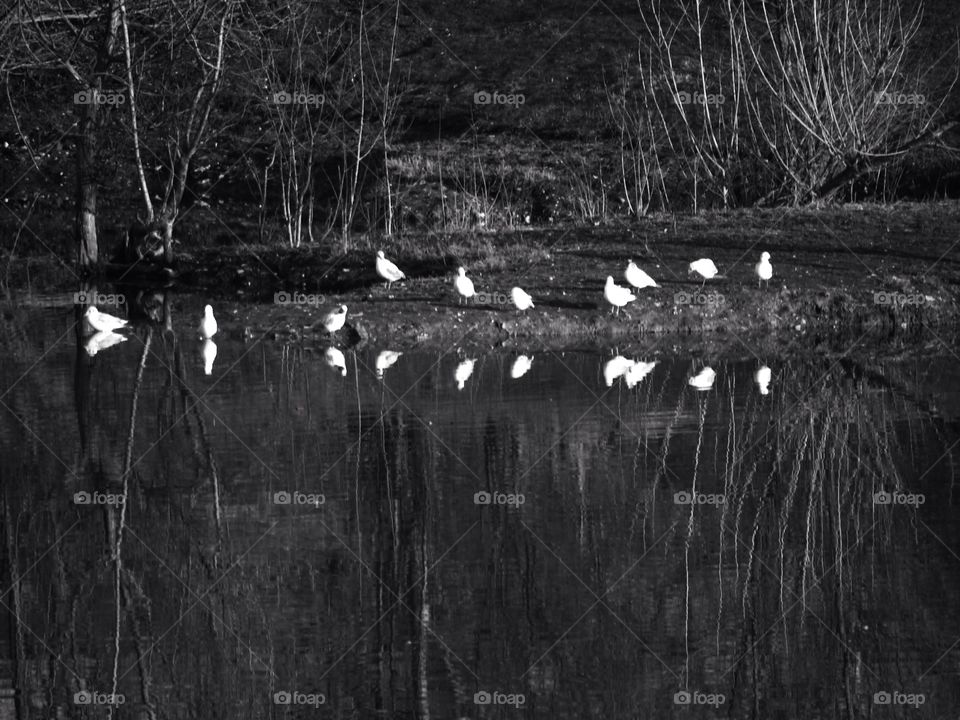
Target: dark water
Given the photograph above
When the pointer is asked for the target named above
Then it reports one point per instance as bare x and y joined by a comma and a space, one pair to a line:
290, 529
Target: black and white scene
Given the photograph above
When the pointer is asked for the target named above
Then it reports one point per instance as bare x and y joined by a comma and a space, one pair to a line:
416, 360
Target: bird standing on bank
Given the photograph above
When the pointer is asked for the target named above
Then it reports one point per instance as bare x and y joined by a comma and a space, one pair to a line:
464, 285
333, 321
102, 322
387, 270
208, 326
617, 296
764, 269
637, 277
705, 268
521, 299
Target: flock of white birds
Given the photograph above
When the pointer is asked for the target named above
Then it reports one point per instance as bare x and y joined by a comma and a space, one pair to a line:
105, 327
616, 295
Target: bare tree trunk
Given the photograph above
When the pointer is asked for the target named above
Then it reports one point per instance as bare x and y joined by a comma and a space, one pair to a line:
385, 119
86, 219
861, 165
132, 97
91, 122
171, 205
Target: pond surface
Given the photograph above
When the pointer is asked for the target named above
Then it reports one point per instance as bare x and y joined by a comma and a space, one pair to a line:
457, 535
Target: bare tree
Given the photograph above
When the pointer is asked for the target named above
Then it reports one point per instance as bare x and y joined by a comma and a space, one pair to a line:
788, 101
388, 92
297, 62
48, 38
327, 87
186, 90
635, 116
368, 107
694, 85
839, 75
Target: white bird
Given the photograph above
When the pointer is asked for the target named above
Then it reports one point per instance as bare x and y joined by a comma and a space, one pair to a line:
637, 372
101, 322
385, 360
762, 378
463, 372
464, 285
617, 296
336, 360
387, 270
705, 268
764, 269
208, 326
521, 299
209, 353
334, 320
637, 277
520, 366
614, 368
101, 341
703, 380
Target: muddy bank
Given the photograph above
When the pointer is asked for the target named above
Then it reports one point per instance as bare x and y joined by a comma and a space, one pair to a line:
882, 272
879, 271
777, 325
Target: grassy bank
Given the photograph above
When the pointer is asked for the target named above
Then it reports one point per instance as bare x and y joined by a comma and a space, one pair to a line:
838, 271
